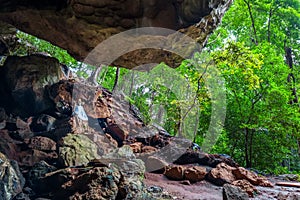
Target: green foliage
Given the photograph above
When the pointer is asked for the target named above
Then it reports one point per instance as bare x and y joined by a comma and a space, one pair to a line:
238, 63
261, 125
30, 44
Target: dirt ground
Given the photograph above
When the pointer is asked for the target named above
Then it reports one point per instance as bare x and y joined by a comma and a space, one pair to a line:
206, 191
197, 191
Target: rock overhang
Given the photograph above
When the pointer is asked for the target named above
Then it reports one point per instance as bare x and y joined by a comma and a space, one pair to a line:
80, 25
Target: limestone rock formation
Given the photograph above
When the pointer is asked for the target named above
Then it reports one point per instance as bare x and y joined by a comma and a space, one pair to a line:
80, 25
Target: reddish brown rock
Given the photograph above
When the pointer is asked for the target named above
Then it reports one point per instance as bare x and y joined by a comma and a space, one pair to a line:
42, 144
111, 115
31, 157
222, 174
149, 149
246, 186
195, 174
263, 181
242, 173
117, 133
136, 147
175, 173
25, 157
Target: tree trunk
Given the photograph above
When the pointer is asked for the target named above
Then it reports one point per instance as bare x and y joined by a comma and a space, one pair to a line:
116, 78
252, 21
247, 155
251, 149
291, 77
269, 23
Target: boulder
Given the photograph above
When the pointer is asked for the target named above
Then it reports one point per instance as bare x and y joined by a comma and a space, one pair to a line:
175, 173
36, 174
149, 149
9, 41
222, 174
136, 147
30, 157
11, 179
105, 143
20, 152
231, 192
106, 114
190, 157
106, 179
42, 144
41, 123
246, 186
132, 185
289, 177
77, 149
242, 173
97, 183
41, 180
155, 164
195, 174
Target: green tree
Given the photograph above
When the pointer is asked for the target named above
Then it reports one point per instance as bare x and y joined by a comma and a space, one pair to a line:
262, 123
259, 122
